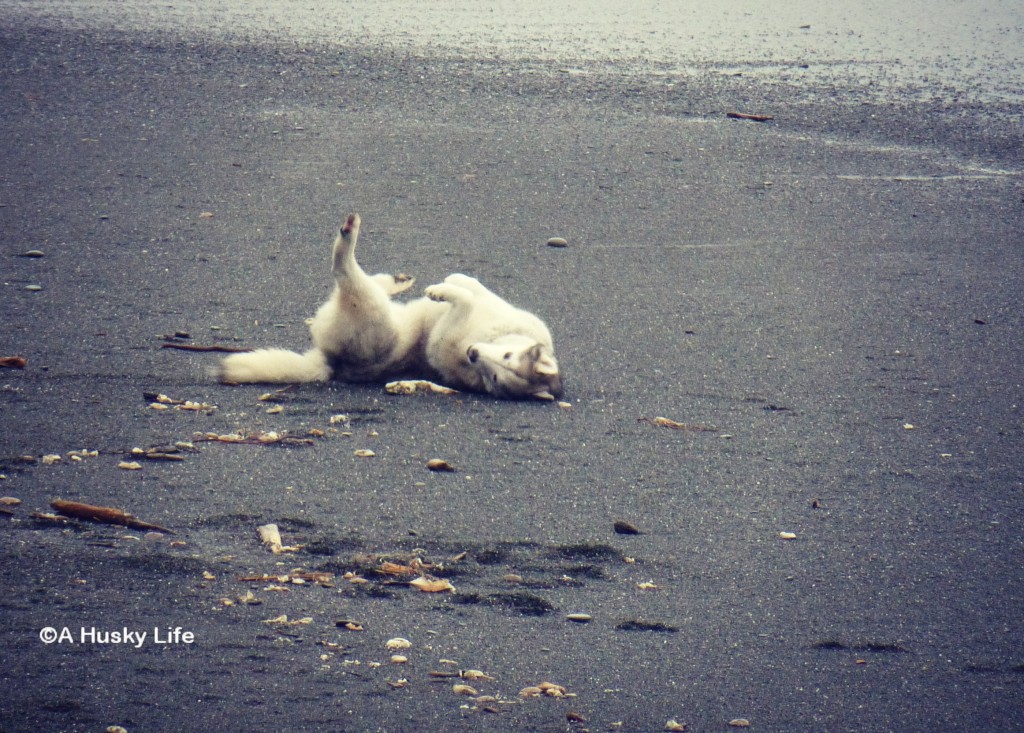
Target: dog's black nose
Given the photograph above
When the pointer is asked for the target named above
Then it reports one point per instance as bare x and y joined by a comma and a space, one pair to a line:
472, 354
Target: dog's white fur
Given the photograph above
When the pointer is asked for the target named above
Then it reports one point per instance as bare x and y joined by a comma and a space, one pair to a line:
461, 334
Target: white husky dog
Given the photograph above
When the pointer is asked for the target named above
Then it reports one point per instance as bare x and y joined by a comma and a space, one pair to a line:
461, 334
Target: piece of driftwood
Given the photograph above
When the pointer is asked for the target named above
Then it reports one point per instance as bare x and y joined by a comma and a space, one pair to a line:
13, 362
199, 347
752, 118
104, 514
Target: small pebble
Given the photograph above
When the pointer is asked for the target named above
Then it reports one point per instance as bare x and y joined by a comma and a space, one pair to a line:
557, 242
34, 253
622, 527
437, 464
580, 618
34, 288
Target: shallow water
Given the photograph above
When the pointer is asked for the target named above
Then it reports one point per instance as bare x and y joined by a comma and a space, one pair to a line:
945, 46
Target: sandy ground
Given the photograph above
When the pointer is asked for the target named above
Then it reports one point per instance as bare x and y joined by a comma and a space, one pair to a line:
829, 302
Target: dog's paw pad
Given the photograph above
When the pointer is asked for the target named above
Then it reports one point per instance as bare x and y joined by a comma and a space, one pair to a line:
435, 292
401, 282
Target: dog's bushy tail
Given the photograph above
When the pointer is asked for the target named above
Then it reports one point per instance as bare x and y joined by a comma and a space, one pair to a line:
274, 365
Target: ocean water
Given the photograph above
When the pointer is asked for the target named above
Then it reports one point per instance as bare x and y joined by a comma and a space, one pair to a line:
967, 47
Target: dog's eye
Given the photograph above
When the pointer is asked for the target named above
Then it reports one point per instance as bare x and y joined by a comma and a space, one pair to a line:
508, 356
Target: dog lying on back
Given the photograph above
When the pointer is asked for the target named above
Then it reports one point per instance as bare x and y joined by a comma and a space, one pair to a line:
460, 334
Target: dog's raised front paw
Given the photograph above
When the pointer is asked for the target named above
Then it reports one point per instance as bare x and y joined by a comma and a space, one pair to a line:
437, 292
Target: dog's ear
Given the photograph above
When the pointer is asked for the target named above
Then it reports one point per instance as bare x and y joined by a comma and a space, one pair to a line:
544, 365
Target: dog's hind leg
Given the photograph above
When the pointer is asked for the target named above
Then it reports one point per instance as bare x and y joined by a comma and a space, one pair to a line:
356, 328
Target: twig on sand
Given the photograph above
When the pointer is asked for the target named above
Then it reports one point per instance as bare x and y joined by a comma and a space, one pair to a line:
199, 347
104, 514
752, 118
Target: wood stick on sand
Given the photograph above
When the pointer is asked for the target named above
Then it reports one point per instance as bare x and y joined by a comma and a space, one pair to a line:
103, 514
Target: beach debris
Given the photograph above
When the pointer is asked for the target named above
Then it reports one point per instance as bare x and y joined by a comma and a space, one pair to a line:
364, 453
398, 643
282, 620
276, 395
428, 584
461, 689
579, 618
675, 725
664, 422
642, 625
267, 438
130, 466
158, 401
159, 454
557, 242
547, 689
103, 514
787, 535
439, 465
414, 386
295, 577
13, 362
623, 527
198, 347
752, 118
49, 518
270, 535
739, 723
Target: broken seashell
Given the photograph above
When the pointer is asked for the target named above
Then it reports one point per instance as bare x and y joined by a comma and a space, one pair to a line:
398, 643
552, 690
431, 585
